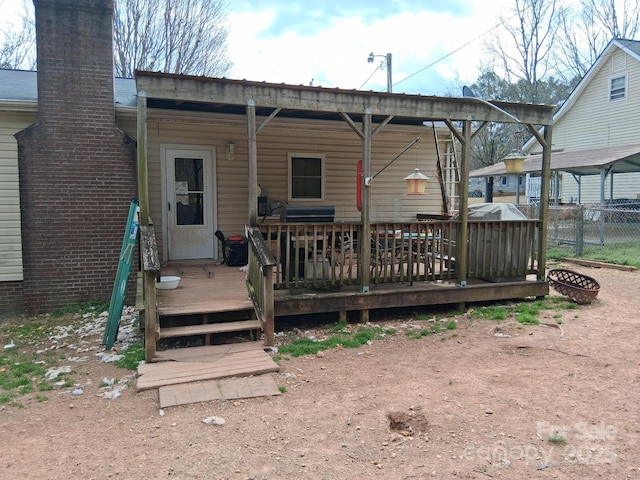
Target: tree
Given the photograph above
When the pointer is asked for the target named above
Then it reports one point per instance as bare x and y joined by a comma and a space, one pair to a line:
525, 53
172, 36
587, 30
17, 45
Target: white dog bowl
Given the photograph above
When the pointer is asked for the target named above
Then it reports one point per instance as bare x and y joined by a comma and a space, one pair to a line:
168, 283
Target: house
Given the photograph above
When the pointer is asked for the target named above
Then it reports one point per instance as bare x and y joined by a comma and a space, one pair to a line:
601, 113
203, 153
596, 138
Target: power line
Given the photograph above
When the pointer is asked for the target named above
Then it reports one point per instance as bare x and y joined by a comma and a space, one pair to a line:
372, 74
456, 50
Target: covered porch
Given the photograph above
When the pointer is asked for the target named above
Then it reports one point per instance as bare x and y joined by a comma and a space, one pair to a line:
314, 267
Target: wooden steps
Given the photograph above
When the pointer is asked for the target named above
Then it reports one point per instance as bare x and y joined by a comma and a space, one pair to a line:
209, 328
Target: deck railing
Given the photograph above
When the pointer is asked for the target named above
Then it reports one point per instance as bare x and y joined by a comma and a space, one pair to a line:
327, 255
260, 281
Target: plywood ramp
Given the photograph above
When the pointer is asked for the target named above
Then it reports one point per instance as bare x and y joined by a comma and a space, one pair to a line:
225, 389
207, 363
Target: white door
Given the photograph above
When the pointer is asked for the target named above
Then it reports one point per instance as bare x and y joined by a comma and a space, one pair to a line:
190, 205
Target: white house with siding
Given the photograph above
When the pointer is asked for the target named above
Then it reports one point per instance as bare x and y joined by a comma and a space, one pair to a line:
601, 112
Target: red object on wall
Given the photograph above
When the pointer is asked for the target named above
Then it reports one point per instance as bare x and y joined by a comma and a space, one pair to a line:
359, 185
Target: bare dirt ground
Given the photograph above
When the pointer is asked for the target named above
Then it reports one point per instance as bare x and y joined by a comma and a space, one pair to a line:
478, 402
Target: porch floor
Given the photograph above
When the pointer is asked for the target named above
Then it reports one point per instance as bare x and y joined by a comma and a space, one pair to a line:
208, 288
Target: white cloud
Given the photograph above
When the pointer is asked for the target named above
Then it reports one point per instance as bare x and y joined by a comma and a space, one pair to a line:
336, 54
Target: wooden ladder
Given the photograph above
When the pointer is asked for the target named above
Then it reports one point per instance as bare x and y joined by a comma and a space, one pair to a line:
448, 171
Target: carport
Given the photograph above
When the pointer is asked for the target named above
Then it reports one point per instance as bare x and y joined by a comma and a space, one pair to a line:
597, 161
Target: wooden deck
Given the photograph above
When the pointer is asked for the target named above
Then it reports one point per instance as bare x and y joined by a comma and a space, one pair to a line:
204, 288
219, 288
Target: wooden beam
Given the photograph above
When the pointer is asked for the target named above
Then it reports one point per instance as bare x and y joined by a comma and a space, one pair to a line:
305, 98
268, 119
252, 150
462, 255
364, 246
544, 202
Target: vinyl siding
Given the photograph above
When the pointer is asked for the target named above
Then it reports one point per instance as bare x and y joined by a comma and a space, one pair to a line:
339, 145
594, 121
10, 232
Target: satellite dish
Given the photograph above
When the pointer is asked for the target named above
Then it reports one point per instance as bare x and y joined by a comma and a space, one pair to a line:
467, 92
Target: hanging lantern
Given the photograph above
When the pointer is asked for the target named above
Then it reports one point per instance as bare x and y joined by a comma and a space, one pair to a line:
514, 162
416, 183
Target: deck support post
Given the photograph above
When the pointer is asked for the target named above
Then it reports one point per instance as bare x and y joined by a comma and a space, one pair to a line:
149, 315
364, 246
544, 202
462, 254
252, 153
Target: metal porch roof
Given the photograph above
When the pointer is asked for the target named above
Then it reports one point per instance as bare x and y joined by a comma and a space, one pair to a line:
621, 159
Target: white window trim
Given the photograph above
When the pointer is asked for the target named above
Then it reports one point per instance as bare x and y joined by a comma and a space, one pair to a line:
626, 87
319, 156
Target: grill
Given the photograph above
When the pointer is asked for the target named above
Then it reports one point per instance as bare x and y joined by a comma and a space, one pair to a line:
306, 214
300, 247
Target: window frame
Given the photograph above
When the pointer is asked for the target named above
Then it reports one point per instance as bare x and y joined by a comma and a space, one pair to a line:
621, 91
290, 179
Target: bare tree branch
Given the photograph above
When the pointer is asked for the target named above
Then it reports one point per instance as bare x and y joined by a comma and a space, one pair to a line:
17, 45
526, 54
587, 30
186, 36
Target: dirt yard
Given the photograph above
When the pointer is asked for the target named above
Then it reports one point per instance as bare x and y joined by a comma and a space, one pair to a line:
478, 402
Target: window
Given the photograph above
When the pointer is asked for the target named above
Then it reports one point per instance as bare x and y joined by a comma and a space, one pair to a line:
618, 88
504, 181
306, 177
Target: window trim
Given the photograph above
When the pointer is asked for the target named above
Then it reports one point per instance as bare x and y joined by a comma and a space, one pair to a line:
624, 89
290, 157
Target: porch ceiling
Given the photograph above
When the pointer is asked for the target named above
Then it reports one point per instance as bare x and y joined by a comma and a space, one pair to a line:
621, 159
298, 101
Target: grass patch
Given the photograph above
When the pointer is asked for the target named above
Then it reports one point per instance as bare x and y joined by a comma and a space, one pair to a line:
282, 389
620, 253
527, 313
345, 336
491, 312
557, 439
133, 355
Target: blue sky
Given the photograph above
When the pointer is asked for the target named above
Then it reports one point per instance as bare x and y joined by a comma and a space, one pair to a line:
327, 42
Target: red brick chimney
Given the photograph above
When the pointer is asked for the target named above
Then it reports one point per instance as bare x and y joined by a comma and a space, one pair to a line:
77, 169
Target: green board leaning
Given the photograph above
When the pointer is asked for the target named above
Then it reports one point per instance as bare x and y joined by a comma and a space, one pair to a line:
122, 276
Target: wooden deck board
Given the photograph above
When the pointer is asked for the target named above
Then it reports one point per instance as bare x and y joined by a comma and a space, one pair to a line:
201, 290
206, 353
225, 389
222, 327
251, 362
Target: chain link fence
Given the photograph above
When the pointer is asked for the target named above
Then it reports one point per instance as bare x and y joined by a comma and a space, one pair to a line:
609, 232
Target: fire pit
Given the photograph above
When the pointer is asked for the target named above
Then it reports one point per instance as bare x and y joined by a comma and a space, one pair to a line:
580, 288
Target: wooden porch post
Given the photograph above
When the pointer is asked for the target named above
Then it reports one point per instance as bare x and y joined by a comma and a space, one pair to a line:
544, 202
365, 215
462, 250
149, 314
253, 163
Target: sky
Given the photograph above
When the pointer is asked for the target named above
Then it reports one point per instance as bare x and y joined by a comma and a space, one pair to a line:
436, 46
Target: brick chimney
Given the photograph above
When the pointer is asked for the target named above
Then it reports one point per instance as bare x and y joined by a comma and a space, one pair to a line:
77, 169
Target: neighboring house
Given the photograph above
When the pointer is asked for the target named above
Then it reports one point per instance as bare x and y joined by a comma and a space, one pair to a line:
600, 115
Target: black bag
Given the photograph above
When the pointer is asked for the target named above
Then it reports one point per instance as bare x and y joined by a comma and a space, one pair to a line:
235, 249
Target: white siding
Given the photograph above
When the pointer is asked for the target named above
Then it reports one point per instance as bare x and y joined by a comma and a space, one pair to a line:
10, 231
594, 121
340, 146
